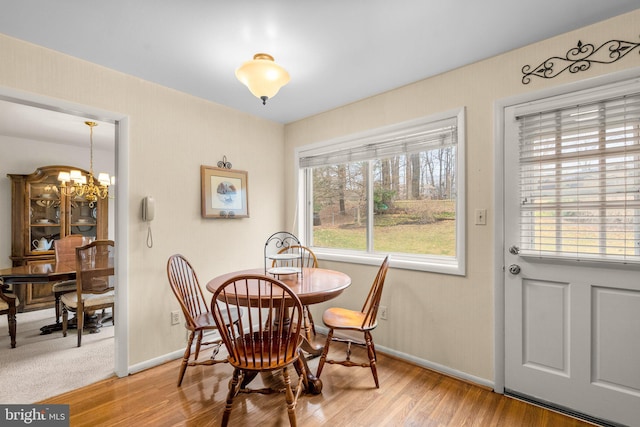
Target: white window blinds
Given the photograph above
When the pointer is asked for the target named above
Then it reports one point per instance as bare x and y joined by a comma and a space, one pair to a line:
580, 181
425, 137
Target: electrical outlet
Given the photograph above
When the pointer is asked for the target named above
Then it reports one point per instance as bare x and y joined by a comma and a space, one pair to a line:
383, 312
175, 317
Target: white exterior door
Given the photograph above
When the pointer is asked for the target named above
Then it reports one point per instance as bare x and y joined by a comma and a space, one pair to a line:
572, 323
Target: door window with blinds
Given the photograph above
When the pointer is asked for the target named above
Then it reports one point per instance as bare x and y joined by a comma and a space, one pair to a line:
397, 190
580, 179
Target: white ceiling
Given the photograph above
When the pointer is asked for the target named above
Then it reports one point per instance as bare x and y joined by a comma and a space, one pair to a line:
336, 51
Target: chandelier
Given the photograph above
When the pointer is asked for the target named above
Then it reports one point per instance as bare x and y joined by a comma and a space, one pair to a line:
73, 183
262, 76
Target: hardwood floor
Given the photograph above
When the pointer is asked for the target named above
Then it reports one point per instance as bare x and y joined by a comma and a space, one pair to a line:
408, 396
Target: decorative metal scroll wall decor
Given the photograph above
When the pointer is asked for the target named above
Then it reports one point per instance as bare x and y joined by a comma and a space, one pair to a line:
579, 58
224, 164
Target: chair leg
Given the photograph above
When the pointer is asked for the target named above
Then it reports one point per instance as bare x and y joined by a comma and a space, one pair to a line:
12, 325
372, 356
290, 398
325, 351
57, 306
185, 358
233, 390
198, 344
80, 320
65, 320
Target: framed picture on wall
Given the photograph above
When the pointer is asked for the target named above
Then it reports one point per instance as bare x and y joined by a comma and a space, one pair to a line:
224, 193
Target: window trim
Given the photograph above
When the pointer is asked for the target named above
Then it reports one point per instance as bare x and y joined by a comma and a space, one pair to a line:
455, 265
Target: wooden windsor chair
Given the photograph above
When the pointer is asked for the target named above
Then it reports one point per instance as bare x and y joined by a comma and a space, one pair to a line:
267, 340
363, 321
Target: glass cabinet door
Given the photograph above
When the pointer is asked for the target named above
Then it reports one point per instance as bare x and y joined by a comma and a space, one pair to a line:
44, 213
83, 217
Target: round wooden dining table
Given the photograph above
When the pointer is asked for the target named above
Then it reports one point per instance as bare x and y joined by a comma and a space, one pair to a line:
312, 286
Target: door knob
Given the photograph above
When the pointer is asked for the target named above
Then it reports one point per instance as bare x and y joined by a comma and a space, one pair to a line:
514, 269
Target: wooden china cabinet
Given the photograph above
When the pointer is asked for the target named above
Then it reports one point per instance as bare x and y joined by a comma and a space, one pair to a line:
40, 211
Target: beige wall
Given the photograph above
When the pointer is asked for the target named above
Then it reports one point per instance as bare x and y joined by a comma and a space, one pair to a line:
449, 320
445, 320
171, 134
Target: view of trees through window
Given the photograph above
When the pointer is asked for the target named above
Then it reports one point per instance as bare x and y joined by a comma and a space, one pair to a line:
413, 203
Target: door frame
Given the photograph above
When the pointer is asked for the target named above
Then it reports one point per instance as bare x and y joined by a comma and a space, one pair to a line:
498, 207
121, 204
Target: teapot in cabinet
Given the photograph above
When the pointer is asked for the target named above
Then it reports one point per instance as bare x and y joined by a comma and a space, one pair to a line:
42, 244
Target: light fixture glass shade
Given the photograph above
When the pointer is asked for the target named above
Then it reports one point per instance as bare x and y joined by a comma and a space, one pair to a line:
103, 178
64, 177
262, 76
76, 175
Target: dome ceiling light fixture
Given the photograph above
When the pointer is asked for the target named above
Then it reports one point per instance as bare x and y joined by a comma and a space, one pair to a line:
262, 76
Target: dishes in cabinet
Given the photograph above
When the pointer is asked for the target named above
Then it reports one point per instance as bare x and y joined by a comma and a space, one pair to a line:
84, 221
47, 203
44, 221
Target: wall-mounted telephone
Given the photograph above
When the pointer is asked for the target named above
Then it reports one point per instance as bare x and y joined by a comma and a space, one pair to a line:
148, 212
148, 208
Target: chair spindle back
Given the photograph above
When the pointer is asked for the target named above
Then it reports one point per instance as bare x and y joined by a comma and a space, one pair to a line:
370, 307
184, 284
269, 335
94, 267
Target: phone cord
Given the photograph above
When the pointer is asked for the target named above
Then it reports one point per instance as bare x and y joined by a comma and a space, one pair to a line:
149, 237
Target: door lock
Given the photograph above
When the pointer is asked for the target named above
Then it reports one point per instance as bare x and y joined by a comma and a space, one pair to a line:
514, 269
514, 250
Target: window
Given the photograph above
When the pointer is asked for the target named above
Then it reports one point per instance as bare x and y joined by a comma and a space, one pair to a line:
580, 180
397, 190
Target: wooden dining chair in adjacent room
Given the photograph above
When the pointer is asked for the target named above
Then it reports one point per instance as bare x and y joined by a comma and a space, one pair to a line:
258, 345
198, 318
364, 321
8, 304
65, 250
306, 259
94, 284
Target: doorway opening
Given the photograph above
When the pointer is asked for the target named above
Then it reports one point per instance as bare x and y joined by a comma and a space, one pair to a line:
44, 127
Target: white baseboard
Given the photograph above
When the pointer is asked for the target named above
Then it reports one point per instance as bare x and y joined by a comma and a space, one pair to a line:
151, 363
156, 361
427, 364
147, 364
